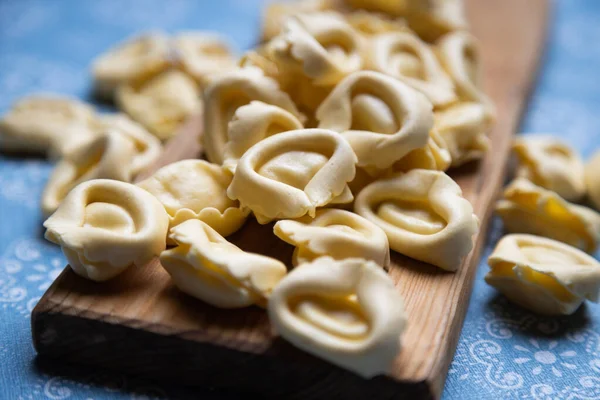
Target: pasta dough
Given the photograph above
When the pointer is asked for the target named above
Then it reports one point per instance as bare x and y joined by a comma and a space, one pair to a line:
206, 266
404, 56
424, 216
543, 275
383, 119
108, 157
226, 94
551, 164
290, 174
104, 226
527, 208
346, 312
434, 155
47, 124
162, 103
335, 233
253, 123
196, 189
132, 62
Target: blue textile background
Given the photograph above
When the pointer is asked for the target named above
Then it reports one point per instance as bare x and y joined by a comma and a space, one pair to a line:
504, 352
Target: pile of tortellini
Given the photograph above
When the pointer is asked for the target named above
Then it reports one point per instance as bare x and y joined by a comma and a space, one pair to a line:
338, 129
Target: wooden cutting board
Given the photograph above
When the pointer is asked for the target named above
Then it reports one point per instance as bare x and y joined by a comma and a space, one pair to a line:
140, 323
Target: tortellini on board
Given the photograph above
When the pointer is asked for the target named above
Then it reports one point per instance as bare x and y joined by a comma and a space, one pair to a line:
347, 312
543, 275
382, 118
196, 189
550, 163
104, 226
424, 216
334, 233
290, 174
527, 208
206, 266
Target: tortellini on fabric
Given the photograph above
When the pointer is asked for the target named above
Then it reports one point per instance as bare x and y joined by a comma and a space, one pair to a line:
229, 91
463, 127
196, 189
550, 163
202, 54
206, 266
347, 312
424, 216
132, 62
404, 56
527, 208
382, 118
290, 174
104, 226
334, 233
543, 275
161, 104
46, 124
107, 157
251, 124
592, 180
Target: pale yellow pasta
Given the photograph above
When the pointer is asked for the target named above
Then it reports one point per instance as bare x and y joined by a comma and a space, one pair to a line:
404, 56
251, 124
104, 226
202, 54
161, 104
550, 163
47, 123
275, 14
320, 46
196, 189
347, 312
131, 62
206, 266
334, 233
106, 157
527, 208
543, 275
424, 216
434, 155
463, 127
229, 91
290, 174
592, 180
382, 118
373, 23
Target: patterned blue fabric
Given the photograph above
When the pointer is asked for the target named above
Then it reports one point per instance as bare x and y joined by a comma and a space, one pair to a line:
504, 352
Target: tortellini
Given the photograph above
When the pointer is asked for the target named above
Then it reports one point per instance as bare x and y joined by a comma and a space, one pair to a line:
334, 233
202, 54
346, 312
592, 180
206, 266
551, 164
424, 216
47, 124
434, 155
463, 128
105, 226
382, 118
321, 46
131, 62
404, 56
543, 275
371, 23
527, 208
107, 157
290, 174
196, 189
276, 13
228, 92
251, 124
147, 146
162, 103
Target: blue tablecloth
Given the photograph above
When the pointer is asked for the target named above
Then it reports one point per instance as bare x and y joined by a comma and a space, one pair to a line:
504, 352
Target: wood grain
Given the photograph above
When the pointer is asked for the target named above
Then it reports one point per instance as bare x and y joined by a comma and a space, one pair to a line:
141, 324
